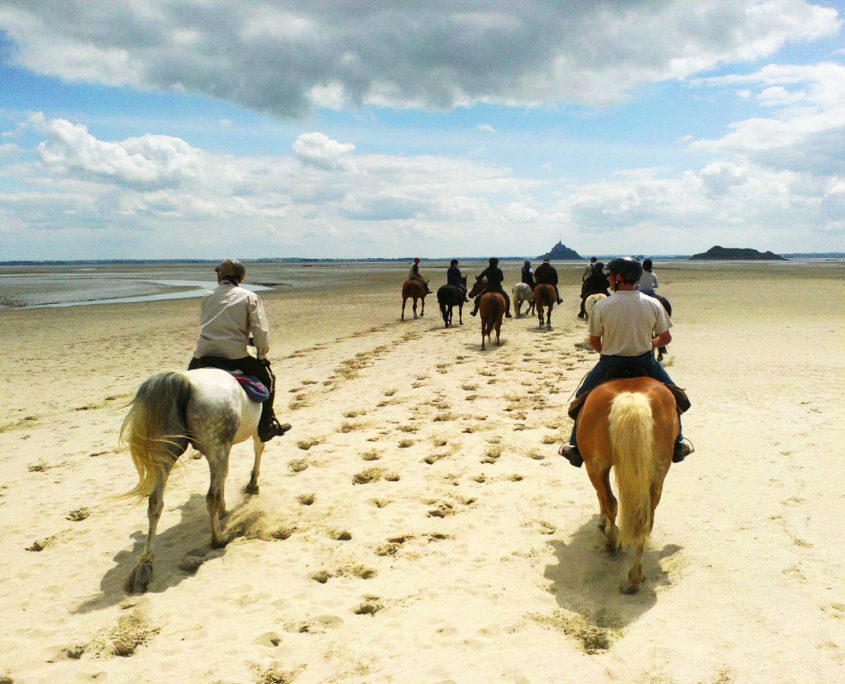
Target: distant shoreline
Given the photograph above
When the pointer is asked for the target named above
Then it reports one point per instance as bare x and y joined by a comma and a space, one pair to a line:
306, 260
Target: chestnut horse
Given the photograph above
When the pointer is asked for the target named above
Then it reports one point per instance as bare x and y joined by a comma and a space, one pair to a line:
629, 424
413, 289
491, 307
544, 296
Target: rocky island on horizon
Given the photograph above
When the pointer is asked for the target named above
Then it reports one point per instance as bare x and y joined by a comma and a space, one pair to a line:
560, 252
736, 253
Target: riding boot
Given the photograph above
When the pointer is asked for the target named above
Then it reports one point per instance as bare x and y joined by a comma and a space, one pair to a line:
268, 425
571, 454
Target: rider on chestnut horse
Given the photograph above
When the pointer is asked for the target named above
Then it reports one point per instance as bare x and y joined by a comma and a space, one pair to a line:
547, 274
494, 277
620, 330
414, 274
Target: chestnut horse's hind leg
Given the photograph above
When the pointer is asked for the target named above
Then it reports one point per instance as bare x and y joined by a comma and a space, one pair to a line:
608, 505
635, 574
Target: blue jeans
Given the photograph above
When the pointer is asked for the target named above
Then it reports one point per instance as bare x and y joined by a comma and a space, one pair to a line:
594, 377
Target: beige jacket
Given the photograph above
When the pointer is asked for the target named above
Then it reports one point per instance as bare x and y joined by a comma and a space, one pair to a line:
228, 316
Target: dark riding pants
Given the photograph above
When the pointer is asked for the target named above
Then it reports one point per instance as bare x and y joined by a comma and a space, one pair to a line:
501, 292
596, 375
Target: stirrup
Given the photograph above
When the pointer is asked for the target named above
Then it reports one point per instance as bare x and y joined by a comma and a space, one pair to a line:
683, 448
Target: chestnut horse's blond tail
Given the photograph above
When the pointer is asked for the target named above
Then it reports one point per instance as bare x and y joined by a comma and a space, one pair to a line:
155, 428
632, 445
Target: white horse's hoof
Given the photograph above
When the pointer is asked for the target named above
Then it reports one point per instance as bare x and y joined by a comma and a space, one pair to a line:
140, 577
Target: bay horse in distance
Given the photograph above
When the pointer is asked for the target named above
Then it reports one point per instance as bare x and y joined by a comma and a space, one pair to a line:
448, 297
629, 424
206, 408
415, 290
491, 309
544, 298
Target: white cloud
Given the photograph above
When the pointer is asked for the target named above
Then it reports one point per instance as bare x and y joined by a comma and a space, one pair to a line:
485, 128
287, 57
806, 129
321, 151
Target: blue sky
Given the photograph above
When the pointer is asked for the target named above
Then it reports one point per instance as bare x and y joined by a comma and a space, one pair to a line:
203, 128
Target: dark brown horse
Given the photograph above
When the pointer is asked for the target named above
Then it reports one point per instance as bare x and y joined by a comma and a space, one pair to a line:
544, 296
667, 307
491, 308
629, 424
413, 289
450, 296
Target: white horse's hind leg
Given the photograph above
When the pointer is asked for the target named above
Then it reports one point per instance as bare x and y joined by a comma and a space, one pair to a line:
142, 573
218, 464
258, 446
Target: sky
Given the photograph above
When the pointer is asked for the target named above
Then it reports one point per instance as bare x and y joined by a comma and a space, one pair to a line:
153, 129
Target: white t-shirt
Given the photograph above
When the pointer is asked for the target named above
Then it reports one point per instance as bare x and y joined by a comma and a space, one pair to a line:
626, 322
228, 315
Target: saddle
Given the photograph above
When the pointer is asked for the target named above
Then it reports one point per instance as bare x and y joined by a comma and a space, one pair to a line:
623, 370
254, 388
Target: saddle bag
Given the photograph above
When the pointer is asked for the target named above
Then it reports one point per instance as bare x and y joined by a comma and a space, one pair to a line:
254, 388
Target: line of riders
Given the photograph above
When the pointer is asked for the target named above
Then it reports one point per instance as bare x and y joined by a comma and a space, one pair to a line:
625, 328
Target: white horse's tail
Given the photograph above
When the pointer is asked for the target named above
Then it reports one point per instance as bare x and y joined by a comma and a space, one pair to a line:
155, 428
632, 446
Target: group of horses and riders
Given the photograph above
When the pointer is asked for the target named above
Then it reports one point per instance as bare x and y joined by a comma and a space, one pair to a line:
626, 410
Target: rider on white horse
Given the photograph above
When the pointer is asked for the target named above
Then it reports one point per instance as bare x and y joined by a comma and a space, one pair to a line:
528, 275
621, 331
230, 315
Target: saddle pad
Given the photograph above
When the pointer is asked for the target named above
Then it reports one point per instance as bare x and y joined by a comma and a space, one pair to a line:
253, 387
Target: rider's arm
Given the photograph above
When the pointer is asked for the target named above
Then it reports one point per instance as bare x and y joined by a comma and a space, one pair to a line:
661, 340
259, 327
595, 342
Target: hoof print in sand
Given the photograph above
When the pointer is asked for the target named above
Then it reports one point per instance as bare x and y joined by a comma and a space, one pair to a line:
78, 514
594, 639
192, 560
370, 606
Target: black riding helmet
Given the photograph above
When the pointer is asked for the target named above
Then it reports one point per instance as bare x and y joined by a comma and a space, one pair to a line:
628, 268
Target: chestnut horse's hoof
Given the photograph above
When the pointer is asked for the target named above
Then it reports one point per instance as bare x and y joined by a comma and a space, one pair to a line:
251, 489
140, 577
630, 588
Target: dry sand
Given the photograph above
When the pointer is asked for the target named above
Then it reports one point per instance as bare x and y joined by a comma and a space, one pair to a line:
417, 525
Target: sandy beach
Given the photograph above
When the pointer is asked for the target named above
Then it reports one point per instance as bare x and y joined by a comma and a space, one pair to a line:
417, 524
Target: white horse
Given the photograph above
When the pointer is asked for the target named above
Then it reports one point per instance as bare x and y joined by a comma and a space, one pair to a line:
590, 303
522, 292
206, 408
